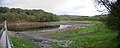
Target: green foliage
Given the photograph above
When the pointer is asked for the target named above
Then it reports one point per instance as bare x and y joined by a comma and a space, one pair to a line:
3, 9
22, 43
46, 17
12, 17
89, 38
20, 15
113, 20
82, 18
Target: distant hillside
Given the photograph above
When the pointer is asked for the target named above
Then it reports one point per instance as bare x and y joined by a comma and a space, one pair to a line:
80, 18
71, 16
20, 15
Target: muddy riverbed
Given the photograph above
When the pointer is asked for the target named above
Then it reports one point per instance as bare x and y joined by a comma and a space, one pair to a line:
61, 28
45, 42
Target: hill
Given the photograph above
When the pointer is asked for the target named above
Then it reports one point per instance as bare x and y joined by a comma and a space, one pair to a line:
18, 14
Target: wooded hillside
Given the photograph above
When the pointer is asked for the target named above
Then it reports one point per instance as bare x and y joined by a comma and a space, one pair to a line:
23, 15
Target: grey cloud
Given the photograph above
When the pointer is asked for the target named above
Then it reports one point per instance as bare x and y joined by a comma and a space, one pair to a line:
54, 6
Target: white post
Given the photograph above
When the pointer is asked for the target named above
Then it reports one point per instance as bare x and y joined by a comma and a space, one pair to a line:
5, 25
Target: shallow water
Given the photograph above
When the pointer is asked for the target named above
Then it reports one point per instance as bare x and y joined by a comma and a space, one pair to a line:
64, 26
47, 29
56, 29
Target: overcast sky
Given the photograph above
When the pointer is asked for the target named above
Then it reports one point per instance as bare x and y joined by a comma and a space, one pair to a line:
59, 7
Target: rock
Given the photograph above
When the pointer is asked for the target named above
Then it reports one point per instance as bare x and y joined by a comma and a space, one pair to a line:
64, 43
43, 45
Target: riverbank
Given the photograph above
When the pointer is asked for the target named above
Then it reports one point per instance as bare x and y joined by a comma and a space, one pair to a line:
39, 25
22, 43
29, 26
85, 38
34, 35
88, 37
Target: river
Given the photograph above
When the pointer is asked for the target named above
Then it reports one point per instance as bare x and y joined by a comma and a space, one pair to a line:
38, 39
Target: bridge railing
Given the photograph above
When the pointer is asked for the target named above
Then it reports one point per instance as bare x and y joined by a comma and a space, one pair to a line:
5, 41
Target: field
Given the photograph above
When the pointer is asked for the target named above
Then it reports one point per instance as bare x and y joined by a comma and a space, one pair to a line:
22, 43
89, 37
43, 24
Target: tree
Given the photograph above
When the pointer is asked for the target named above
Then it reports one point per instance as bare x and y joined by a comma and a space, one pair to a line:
3, 9
18, 14
113, 20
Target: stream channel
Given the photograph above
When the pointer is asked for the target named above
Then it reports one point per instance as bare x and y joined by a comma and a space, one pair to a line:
44, 42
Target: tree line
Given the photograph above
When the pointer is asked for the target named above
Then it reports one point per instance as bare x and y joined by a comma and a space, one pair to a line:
21, 15
83, 18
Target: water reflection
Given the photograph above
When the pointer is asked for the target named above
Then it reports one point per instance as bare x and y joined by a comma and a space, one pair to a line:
63, 26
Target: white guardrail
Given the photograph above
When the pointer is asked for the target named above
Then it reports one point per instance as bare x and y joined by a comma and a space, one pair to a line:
5, 41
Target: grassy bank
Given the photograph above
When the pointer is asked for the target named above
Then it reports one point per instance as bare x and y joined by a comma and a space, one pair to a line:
69, 21
22, 43
29, 26
88, 38
38, 25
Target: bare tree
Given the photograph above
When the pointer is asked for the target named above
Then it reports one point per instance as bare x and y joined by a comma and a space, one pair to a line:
113, 20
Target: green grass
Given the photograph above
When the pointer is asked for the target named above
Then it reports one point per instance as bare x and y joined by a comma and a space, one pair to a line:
37, 25
63, 22
58, 22
89, 38
22, 43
